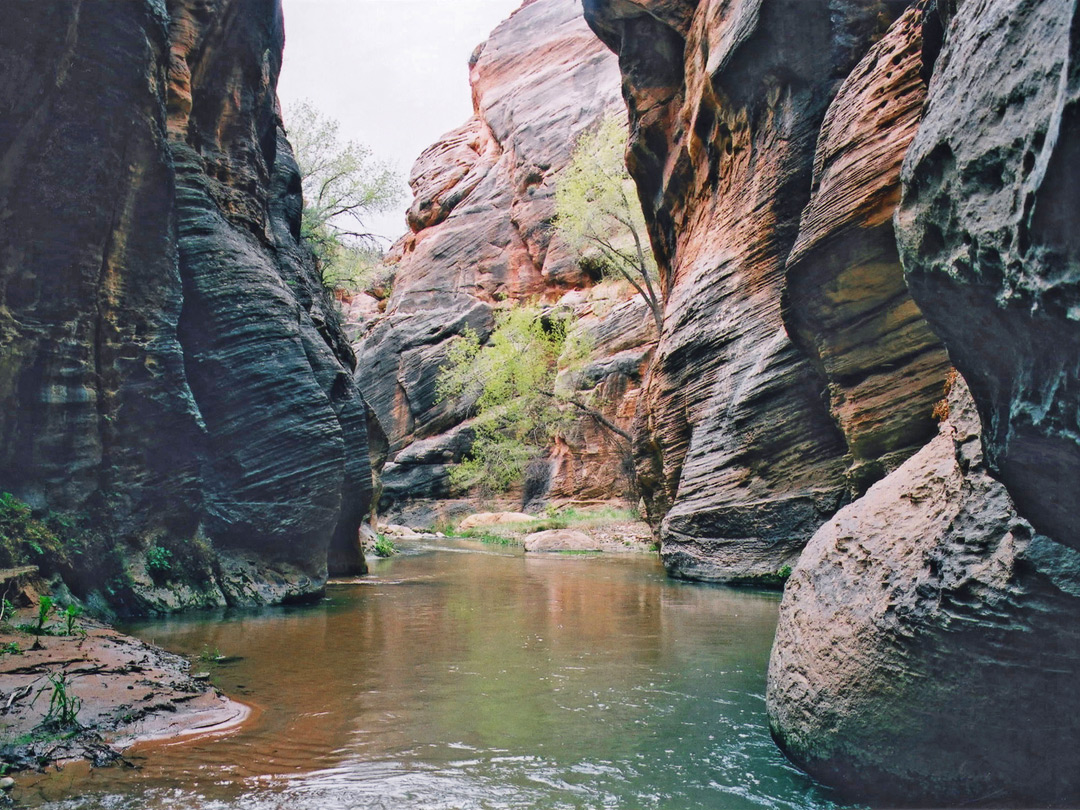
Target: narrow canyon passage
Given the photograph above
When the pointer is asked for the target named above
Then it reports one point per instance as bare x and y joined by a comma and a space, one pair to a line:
458, 676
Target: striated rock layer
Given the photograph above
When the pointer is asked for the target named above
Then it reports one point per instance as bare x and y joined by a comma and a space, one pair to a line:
171, 366
919, 621
924, 616
740, 457
845, 301
988, 234
481, 238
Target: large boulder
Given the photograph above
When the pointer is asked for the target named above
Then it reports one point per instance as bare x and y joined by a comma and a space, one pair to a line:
929, 641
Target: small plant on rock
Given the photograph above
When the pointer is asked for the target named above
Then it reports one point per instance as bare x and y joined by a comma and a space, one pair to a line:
46, 605
384, 547
158, 562
70, 614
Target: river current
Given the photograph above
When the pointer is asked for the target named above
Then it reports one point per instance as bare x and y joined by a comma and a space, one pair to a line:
461, 676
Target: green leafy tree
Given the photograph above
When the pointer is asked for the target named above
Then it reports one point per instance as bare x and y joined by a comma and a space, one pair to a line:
344, 183
519, 406
598, 214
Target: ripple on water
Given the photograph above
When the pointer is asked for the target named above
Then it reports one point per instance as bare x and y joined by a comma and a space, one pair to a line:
477, 681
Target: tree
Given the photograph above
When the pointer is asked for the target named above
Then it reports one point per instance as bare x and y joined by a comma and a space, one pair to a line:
513, 380
595, 215
343, 184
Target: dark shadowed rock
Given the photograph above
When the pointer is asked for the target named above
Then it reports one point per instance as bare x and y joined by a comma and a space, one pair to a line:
95, 401
171, 363
929, 640
739, 457
989, 239
846, 303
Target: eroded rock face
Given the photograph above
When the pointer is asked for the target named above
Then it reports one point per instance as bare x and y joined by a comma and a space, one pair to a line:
929, 639
740, 457
988, 235
846, 303
95, 399
482, 239
171, 363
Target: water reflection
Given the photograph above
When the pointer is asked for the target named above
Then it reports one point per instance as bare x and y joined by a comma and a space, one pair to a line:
478, 680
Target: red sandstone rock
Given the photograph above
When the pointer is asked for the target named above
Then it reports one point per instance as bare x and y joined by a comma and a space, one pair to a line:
846, 303
482, 237
739, 456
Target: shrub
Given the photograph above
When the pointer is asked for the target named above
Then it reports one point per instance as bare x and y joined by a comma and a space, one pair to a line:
159, 562
384, 547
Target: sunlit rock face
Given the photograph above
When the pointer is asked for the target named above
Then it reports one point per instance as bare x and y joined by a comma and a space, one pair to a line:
929, 641
990, 243
171, 363
740, 456
481, 238
846, 303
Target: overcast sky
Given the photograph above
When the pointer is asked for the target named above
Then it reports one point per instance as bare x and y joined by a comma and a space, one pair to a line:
395, 73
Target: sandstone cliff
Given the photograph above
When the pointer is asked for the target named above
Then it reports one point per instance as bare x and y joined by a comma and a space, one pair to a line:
481, 238
748, 446
172, 369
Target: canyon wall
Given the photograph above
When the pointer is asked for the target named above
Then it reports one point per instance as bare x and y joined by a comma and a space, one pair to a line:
927, 641
834, 232
481, 239
793, 368
173, 373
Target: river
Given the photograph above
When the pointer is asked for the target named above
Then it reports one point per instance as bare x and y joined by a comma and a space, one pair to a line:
467, 676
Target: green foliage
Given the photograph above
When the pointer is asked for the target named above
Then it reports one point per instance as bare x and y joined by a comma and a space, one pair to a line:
25, 540
7, 610
598, 213
159, 562
70, 614
46, 605
63, 706
11, 648
343, 183
384, 547
511, 379
491, 538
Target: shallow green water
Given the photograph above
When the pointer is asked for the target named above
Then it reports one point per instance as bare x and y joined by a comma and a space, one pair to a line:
465, 677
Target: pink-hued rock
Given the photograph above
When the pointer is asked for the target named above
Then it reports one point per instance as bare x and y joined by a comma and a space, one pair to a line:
929, 640
482, 238
561, 540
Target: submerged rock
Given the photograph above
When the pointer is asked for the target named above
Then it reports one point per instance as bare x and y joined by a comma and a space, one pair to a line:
929, 641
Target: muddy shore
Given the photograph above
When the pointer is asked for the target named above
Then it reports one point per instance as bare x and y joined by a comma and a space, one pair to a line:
93, 693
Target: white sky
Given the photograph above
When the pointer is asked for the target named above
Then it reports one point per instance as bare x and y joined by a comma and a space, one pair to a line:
395, 73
